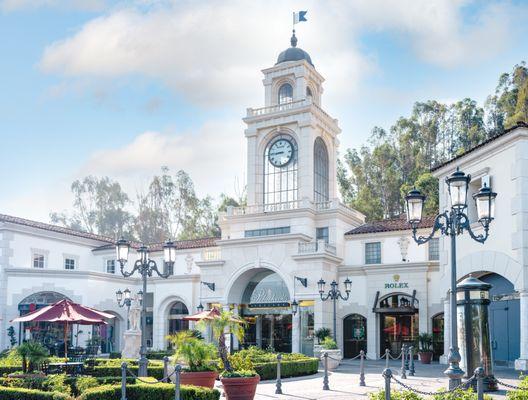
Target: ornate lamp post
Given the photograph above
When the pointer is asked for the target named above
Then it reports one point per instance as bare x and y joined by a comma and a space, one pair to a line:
334, 294
452, 223
124, 300
145, 267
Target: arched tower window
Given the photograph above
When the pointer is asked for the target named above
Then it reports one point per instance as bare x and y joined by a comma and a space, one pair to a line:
308, 92
285, 94
320, 171
280, 170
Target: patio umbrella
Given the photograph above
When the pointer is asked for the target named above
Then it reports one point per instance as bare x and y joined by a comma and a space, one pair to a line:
209, 315
66, 312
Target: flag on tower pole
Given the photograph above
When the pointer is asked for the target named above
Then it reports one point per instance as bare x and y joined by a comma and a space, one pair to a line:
299, 17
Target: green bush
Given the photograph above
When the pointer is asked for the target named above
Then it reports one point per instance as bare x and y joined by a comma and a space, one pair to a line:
84, 383
6, 370
162, 391
155, 371
458, 394
329, 344
289, 369
395, 395
521, 394
158, 355
9, 393
57, 383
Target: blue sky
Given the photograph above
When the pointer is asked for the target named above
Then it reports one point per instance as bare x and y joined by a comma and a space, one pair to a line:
121, 88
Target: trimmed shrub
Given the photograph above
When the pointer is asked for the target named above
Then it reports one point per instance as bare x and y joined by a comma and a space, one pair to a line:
521, 394
158, 355
162, 391
409, 395
6, 370
101, 371
289, 369
30, 394
57, 383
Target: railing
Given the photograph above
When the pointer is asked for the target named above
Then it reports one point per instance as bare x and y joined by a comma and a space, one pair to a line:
316, 247
254, 112
211, 254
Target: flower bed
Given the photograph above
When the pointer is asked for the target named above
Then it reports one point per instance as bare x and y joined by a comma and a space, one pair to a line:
162, 391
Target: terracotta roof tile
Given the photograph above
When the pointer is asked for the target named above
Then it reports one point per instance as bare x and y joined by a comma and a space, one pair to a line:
180, 244
53, 228
388, 225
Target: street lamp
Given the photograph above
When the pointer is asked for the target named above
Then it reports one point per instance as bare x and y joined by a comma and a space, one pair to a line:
145, 267
452, 223
334, 294
294, 303
124, 300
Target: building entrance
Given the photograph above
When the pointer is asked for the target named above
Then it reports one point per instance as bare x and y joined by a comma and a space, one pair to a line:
354, 335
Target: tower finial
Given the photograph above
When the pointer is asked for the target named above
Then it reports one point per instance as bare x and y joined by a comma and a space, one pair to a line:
293, 39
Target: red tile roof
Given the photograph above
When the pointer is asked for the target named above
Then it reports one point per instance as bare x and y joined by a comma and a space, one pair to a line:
53, 228
180, 244
388, 225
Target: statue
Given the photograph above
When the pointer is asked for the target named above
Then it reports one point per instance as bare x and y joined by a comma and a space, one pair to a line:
132, 336
134, 318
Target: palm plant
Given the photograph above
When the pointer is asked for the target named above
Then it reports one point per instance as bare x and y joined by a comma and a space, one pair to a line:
226, 321
197, 354
33, 353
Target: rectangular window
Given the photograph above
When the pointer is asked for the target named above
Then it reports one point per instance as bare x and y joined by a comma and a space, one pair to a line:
69, 263
434, 250
373, 253
110, 266
322, 234
267, 231
38, 260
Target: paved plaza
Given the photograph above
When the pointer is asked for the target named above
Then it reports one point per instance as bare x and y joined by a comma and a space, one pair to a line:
344, 383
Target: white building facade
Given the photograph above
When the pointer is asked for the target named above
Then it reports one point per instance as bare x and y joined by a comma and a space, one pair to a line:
293, 233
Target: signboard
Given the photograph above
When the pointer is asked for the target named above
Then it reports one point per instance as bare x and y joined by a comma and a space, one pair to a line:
396, 284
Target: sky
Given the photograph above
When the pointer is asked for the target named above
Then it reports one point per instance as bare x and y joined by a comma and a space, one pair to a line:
121, 88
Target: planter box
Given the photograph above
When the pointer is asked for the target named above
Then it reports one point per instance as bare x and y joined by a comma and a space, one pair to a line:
334, 358
205, 379
240, 388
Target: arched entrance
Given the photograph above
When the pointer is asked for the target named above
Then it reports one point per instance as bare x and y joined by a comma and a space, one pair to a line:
48, 334
108, 333
354, 335
176, 323
264, 302
398, 317
438, 335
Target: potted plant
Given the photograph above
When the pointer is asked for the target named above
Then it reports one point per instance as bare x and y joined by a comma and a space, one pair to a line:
198, 356
329, 346
238, 384
320, 334
425, 352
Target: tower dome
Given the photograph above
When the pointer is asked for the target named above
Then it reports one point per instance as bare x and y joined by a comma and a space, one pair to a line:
294, 53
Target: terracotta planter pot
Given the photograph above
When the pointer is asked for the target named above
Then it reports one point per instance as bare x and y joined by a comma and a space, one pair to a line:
206, 378
240, 388
426, 357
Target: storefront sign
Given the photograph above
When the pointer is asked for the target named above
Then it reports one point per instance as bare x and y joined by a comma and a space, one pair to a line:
397, 284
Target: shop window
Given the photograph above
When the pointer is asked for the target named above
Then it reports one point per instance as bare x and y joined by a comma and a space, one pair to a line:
373, 253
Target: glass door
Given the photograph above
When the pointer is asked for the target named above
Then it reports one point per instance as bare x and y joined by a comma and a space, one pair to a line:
397, 330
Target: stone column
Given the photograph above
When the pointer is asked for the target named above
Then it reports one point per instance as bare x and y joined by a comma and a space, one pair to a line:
522, 362
372, 335
258, 329
296, 332
447, 328
235, 343
227, 334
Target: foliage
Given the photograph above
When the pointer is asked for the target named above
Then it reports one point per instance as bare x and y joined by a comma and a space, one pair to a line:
83, 383
157, 354
522, 393
107, 370
395, 395
162, 391
57, 383
226, 321
460, 394
11, 358
426, 342
321, 334
9, 393
196, 353
11, 335
34, 353
329, 344
242, 373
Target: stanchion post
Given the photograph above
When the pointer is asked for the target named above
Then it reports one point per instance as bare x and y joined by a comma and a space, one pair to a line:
362, 368
123, 380
166, 369
387, 356
278, 390
411, 361
177, 377
405, 354
479, 374
325, 378
404, 357
387, 374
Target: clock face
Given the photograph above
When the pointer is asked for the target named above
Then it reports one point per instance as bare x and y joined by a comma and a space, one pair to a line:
280, 153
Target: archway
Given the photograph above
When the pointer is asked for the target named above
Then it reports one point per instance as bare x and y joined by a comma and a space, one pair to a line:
263, 300
354, 335
176, 323
438, 335
109, 333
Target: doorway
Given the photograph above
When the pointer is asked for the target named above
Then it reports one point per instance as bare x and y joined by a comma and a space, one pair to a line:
354, 335
397, 330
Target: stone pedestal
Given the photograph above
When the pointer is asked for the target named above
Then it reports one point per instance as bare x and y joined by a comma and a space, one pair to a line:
132, 344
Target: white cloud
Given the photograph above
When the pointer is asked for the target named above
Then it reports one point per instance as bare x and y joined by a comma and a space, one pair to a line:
84, 5
213, 155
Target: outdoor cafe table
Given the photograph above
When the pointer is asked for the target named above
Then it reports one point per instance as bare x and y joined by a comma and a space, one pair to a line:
70, 367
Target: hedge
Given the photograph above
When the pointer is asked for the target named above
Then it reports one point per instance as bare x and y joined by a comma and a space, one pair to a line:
158, 355
289, 369
162, 391
101, 371
6, 370
30, 394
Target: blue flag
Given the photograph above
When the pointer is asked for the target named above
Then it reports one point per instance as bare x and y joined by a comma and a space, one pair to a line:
299, 17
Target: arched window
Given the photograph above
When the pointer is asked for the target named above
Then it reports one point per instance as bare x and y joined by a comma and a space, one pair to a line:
280, 170
177, 311
285, 94
320, 171
308, 92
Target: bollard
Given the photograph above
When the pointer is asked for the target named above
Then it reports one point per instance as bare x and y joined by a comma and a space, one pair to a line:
403, 356
411, 361
479, 373
165, 369
387, 356
325, 378
177, 376
362, 368
123, 380
278, 390
387, 374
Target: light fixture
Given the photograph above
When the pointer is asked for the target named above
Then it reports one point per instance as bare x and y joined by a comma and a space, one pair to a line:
122, 249
126, 292
321, 285
140, 296
119, 296
458, 184
348, 285
143, 253
414, 201
294, 306
169, 253
485, 201
200, 307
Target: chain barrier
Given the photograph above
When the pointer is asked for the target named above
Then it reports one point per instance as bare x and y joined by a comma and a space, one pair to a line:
510, 386
463, 385
165, 379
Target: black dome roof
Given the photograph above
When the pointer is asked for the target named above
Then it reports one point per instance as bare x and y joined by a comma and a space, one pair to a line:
294, 53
